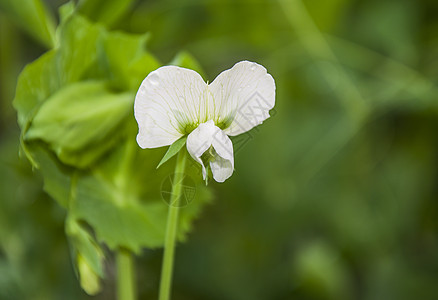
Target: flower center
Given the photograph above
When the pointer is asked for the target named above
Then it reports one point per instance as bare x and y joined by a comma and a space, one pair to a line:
187, 128
209, 156
225, 123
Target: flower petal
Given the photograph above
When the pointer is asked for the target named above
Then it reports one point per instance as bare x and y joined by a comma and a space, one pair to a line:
201, 139
223, 165
168, 100
222, 169
243, 96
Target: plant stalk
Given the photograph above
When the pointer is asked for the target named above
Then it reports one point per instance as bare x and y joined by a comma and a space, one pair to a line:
126, 287
171, 228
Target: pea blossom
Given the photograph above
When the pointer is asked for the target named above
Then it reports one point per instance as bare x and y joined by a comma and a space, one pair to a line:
173, 102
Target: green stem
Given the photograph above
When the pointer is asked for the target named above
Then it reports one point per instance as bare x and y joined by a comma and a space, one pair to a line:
125, 275
171, 229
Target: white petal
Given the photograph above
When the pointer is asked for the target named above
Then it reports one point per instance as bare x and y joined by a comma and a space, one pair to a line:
223, 166
244, 94
168, 99
199, 140
206, 135
222, 169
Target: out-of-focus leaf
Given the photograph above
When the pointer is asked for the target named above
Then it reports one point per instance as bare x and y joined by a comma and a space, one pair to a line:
140, 68
80, 115
186, 60
74, 105
32, 88
173, 150
90, 281
326, 14
32, 16
64, 65
123, 210
113, 199
125, 59
66, 11
320, 271
77, 51
106, 12
118, 220
57, 177
390, 28
87, 255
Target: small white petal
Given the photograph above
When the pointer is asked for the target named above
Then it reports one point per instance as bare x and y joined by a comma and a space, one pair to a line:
244, 94
201, 139
223, 145
223, 165
222, 169
168, 99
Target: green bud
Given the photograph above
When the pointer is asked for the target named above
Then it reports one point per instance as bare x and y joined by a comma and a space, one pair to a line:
90, 281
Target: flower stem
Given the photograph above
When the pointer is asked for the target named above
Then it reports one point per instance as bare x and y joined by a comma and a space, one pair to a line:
171, 228
125, 275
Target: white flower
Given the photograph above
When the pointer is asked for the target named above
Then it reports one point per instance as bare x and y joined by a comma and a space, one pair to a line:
173, 102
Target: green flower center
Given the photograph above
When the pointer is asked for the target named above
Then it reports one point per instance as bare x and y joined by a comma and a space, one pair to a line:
209, 156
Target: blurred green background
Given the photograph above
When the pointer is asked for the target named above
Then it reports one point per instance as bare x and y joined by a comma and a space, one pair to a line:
333, 197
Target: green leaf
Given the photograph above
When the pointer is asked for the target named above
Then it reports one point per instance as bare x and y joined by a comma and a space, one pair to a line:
140, 68
89, 279
79, 116
125, 59
173, 150
57, 177
64, 65
186, 60
104, 11
121, 200
87, 255
33, 89
121, 58
118, 220
33, 17
77, 125
77, 51
66, 10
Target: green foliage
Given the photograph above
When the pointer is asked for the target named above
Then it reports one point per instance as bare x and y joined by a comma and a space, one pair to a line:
87, 255
323, 205
79, 107
104, 11
63, 65
34, 88
75, 107
33, 17
186, 60
173, 150
57, 176
124, 60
